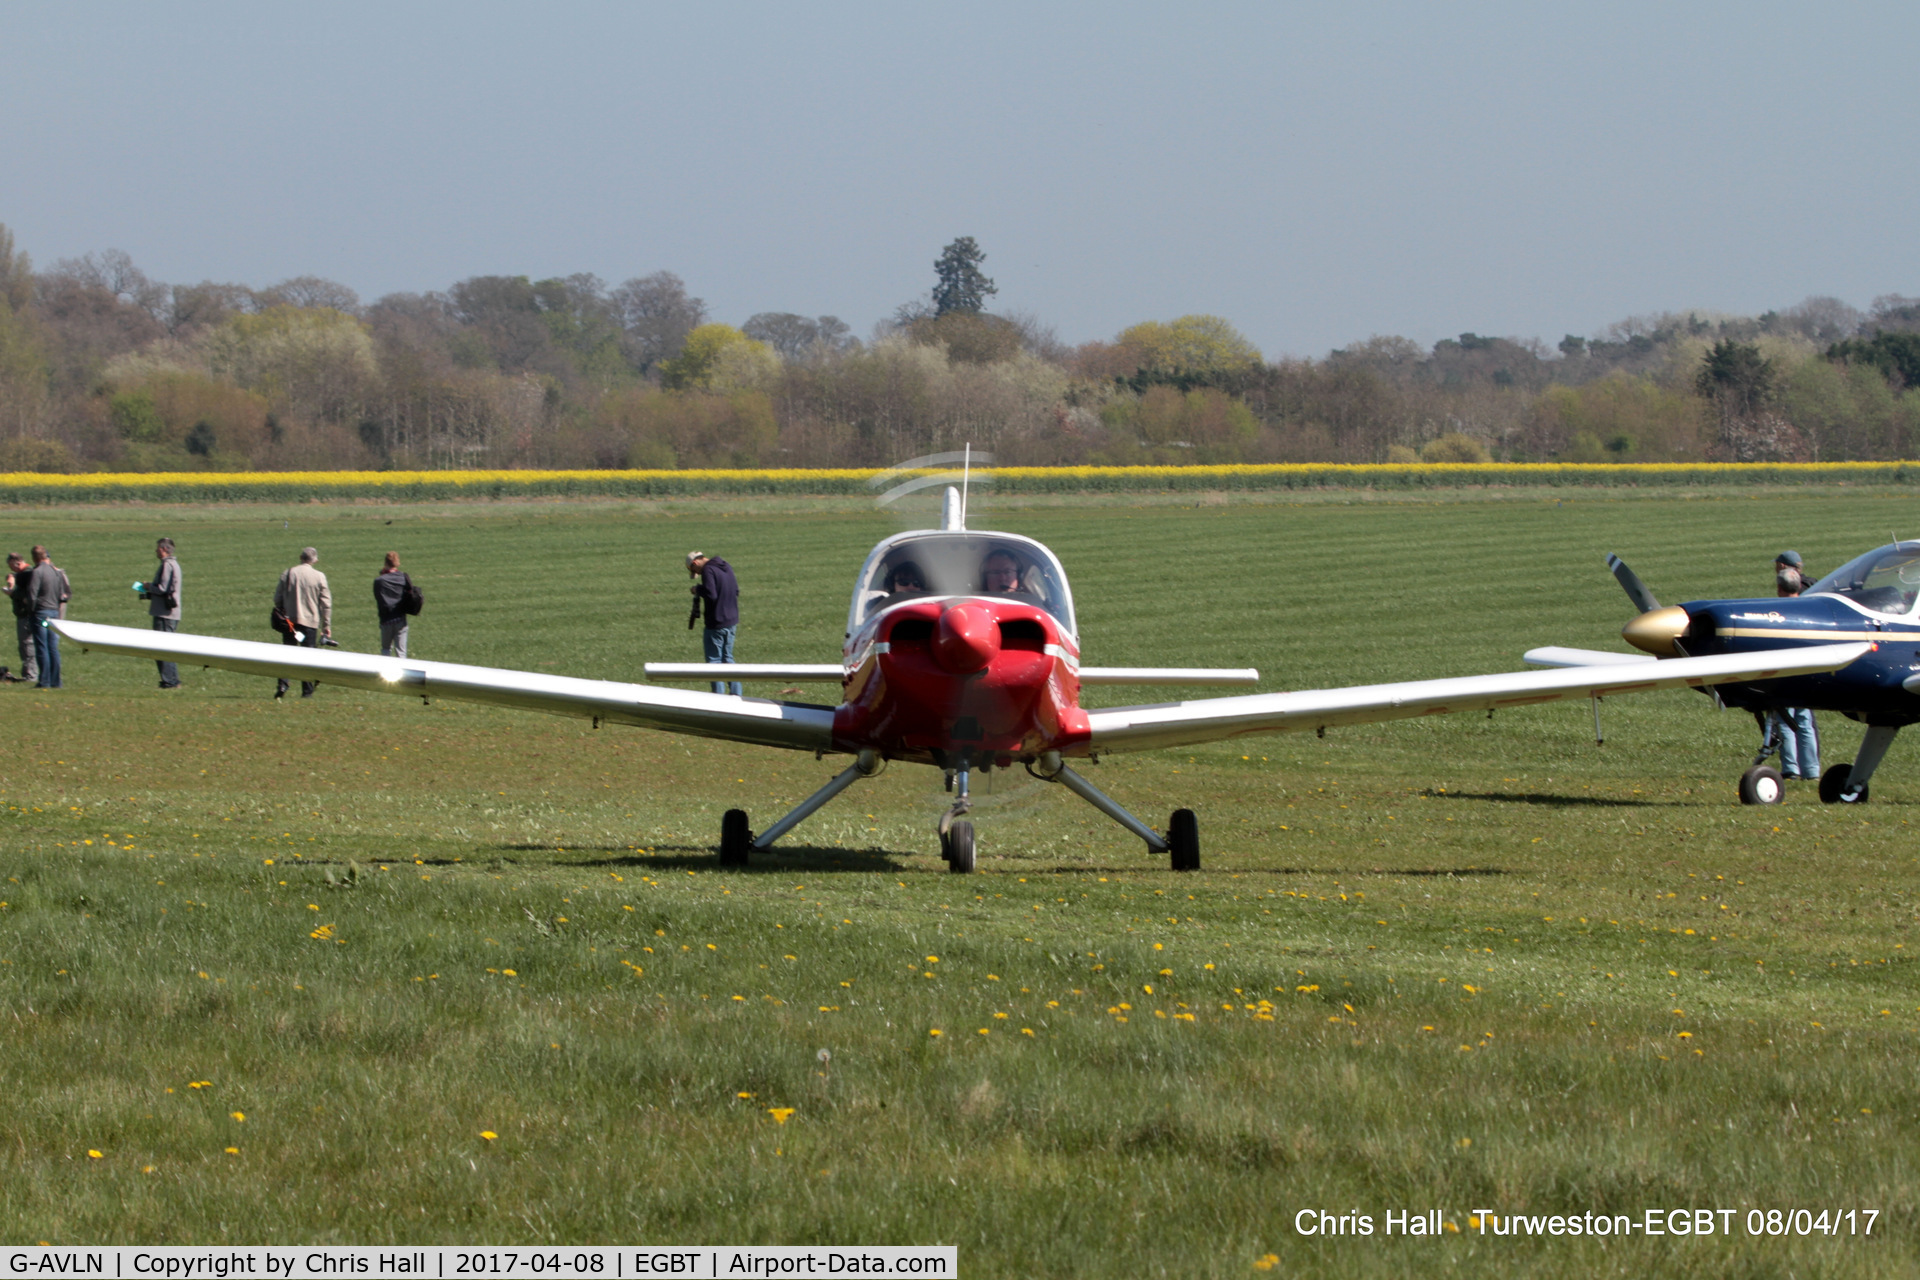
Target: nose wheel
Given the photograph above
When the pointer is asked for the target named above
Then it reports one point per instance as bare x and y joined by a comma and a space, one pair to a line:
1761, 785
956, 846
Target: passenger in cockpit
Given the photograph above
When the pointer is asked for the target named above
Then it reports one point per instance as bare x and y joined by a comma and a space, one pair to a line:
906, 579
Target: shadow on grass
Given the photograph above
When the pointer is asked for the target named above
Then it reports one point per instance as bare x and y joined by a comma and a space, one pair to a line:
782, 859
1552, 801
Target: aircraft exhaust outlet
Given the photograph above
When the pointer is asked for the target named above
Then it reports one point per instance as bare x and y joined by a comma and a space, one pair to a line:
1656, 630
966, 639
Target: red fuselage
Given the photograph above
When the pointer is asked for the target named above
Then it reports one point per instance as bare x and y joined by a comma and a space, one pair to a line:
993, 679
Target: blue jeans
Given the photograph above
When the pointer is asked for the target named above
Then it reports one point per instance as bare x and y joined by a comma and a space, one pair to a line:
46, 648
1799, 744
716, 643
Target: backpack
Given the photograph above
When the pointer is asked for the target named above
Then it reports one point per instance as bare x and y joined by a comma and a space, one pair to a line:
412, 599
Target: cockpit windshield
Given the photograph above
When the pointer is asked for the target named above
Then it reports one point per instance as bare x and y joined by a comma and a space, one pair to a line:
916, 565
1885, 580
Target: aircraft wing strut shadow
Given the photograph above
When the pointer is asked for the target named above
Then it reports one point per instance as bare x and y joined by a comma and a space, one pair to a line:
962, 653
1873, 600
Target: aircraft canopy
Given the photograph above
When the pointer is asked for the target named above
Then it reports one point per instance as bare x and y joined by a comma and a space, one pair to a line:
932, 564
1885, 580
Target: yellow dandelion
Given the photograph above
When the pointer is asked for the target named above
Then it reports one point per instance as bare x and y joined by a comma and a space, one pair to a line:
240, 1116
743, 1094
935, 1031
510, 973
233, 1151
488, 1134
93, 1155
780, 1114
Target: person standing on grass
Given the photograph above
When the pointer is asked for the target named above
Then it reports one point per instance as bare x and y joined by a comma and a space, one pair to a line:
50, 591
304, 596
717, 593
163, 604
390, 590
23, 620
1799, 734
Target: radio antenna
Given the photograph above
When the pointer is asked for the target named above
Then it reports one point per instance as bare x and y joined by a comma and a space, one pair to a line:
966, 473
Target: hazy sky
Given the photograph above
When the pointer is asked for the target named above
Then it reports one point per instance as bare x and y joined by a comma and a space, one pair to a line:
1315, 173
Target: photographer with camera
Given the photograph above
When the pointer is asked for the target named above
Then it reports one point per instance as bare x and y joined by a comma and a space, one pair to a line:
717, 595
306, 601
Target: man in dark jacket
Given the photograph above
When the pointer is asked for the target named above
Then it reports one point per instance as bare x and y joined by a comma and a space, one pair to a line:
50, 591
163, 604
715, 591
24, 624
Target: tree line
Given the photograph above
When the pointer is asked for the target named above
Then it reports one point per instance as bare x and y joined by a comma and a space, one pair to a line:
104, 368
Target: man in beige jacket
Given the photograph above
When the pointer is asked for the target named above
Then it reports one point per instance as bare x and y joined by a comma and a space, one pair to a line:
304, 597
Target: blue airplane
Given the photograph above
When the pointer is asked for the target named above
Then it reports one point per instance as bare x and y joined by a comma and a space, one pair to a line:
1870, 598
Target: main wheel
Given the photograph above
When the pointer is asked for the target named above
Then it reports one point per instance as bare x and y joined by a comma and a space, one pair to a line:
1761, 785
735, 838
1833, 786
960, 847
1183, 833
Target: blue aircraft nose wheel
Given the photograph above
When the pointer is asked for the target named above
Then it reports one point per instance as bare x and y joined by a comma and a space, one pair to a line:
1833, 786
1761, 785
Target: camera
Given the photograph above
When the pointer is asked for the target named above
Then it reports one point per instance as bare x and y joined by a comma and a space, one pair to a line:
328, 642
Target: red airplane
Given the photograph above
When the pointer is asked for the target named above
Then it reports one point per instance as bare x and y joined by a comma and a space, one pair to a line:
962, 652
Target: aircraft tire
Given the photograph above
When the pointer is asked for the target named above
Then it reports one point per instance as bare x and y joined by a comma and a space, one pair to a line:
960, 847
735, 838
1183, 833
1761, 785
1833, 786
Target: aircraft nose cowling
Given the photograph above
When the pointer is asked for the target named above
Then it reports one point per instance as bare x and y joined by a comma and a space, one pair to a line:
966, 639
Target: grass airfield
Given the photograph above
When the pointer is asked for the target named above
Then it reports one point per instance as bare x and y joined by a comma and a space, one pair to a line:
359, 970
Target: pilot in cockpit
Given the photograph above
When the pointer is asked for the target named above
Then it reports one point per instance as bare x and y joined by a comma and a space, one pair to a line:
1000, 573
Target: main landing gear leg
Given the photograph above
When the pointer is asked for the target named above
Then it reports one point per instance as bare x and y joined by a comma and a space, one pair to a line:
1182, 840
1847, 784
736, 841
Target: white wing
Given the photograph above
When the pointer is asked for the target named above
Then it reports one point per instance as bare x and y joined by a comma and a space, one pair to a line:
1173, 724
784, 672
709, 715
1554, 655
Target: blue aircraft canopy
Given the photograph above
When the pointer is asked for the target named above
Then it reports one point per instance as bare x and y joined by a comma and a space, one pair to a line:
1885, 580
